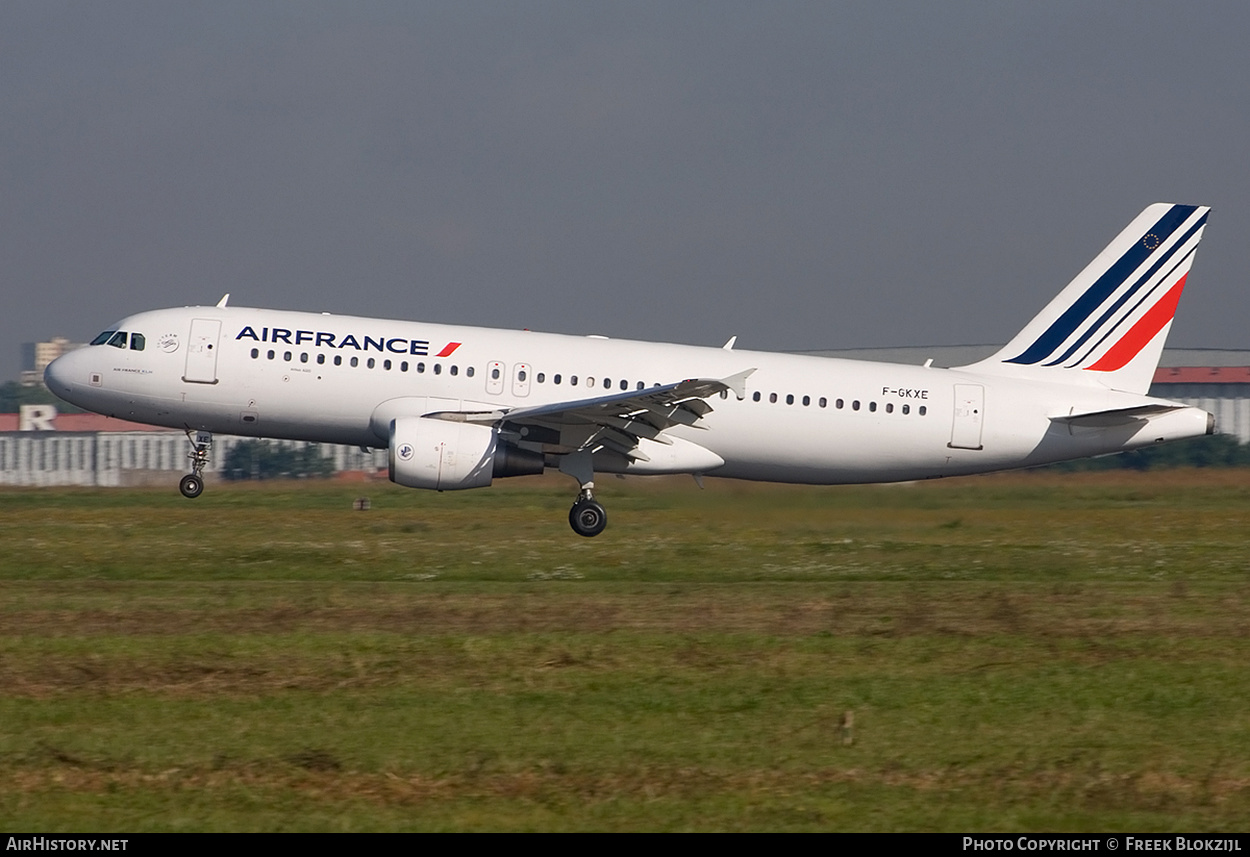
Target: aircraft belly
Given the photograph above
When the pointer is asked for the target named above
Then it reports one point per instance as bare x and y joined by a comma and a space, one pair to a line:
824, 449
677, 456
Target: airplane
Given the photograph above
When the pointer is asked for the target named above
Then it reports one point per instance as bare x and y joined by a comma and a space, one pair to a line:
458, 406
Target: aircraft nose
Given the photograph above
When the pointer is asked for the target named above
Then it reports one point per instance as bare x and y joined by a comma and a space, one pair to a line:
52, 376
59, 375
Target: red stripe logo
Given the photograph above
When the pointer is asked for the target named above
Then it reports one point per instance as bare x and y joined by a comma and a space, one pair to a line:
448, 349
1130, 345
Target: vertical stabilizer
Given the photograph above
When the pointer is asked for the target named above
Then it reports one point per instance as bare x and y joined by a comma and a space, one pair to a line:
1110, 323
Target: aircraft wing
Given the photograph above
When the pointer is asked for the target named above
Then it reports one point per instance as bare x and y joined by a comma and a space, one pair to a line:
616, 421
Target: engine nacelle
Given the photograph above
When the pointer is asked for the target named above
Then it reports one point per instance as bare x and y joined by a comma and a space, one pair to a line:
448, 456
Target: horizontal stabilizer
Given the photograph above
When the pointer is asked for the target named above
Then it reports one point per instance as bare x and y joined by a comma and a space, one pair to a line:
1114, 417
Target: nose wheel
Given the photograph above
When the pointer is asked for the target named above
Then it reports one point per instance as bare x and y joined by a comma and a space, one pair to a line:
192, 485
587, 517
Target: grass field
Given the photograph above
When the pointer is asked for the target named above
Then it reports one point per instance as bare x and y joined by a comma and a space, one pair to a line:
1033, 651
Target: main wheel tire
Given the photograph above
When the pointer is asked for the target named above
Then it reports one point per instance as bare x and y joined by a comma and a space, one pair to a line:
587, 518
191, 486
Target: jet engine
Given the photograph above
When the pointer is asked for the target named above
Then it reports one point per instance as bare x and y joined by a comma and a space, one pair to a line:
447, 456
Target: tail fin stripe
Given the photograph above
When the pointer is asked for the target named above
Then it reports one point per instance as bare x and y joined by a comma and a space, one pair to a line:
1164, 280
1145, 278
1147, 327
1084, 306
1106, 329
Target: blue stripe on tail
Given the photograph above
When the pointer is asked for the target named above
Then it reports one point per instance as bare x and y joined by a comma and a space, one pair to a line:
1084, 306
1154, 269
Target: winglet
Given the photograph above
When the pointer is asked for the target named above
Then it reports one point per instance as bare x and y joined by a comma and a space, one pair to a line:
738, 383
729, 346
225, 299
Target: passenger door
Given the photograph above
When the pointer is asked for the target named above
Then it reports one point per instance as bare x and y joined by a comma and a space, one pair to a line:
201, 365
969, 416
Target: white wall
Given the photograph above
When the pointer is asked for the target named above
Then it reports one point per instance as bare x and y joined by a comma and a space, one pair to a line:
103, 458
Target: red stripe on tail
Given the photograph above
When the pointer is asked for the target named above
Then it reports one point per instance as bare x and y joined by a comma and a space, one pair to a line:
1130, 345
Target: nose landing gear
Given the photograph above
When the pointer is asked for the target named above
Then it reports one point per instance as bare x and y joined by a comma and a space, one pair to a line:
192, 485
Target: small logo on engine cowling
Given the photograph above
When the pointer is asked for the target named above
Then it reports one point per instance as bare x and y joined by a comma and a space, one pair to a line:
404, 451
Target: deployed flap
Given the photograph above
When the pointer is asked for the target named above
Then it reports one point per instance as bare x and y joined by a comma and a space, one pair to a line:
618, 421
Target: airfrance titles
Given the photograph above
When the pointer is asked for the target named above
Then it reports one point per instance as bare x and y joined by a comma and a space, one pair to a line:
323, 339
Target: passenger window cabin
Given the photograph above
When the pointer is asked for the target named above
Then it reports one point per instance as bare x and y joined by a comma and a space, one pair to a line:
137, 342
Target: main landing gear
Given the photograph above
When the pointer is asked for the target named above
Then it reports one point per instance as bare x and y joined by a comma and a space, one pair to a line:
587, 517
192, 485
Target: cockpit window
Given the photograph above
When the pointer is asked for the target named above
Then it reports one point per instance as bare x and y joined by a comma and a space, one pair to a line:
118, 339
137, 342
103, 337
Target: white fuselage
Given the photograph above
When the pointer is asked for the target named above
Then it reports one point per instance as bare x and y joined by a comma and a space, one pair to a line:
326, 378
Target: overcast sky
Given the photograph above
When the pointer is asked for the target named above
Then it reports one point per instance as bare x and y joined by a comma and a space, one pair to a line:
802, 175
